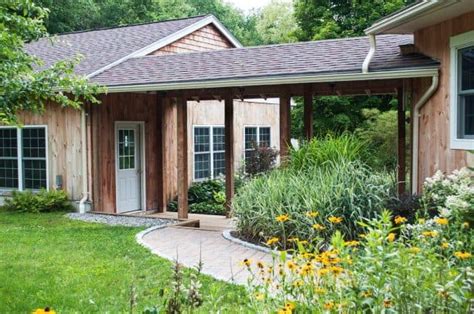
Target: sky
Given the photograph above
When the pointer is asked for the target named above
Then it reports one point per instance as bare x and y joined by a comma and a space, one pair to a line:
248, 5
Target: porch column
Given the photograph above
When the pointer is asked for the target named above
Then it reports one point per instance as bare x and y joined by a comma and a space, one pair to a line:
401, 147
182, 112
160, 145
285, 125
308, 112
229, 152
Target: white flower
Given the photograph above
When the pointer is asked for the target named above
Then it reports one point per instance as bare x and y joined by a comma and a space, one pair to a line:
444, 212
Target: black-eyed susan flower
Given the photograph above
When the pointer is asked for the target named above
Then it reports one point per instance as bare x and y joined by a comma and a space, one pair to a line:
462, 255
335, 220
318, 227
441, 221
444, 245
283, 218
312, 214
329, 305
399, 220
246, 262
272, 241
430, 234
391, 237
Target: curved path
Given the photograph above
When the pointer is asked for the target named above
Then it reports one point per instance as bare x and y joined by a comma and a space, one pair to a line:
221, 258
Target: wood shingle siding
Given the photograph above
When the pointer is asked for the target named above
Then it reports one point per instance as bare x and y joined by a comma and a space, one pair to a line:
434, 151
204, 39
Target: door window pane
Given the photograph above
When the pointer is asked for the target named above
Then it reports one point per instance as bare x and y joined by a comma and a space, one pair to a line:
126, 149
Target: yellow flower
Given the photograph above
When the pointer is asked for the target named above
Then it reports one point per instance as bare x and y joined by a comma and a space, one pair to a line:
323, 271
298, 283
46, 310
291, 265
247, 262
391, 237
387, 303
284, 311
351, 243
320, 290
329, 305
337, 270
272, 241
307, 269
283, 218
335, 220
259, 296
462, 255
399, 220
312, 214
290, 305
260, 264
366, 294
444, 245
441, 221
430, 234
414, 250
318, 227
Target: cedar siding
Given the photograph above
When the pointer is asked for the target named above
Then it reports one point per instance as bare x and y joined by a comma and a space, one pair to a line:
434, 151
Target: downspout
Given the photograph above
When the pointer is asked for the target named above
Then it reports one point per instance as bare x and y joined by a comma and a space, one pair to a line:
416, 126
85, 193
370, 54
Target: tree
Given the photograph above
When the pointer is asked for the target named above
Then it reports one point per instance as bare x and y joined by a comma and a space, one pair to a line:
276, 23
25, 83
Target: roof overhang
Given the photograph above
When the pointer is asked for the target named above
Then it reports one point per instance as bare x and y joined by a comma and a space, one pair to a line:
171, 39
420, 15
278, 80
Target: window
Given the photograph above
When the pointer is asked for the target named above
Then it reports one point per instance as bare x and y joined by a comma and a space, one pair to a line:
23, 158
462, 91
256, 136
209, 152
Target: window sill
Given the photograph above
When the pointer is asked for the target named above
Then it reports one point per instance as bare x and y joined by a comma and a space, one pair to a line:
462, 144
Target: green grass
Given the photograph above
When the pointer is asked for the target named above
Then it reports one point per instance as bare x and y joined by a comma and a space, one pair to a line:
71, 266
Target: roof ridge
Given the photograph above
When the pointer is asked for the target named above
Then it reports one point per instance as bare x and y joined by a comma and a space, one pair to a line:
280, 45
130, 25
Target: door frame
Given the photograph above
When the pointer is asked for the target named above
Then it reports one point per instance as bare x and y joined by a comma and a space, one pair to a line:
141, 127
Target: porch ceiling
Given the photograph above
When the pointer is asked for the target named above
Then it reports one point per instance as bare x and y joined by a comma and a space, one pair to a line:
310, 62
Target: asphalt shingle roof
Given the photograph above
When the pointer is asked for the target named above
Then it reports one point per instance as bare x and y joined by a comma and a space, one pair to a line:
318, 57
104, 46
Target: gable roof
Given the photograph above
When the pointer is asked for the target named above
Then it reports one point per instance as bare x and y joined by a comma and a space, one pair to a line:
420, 14
262, 64
104, 48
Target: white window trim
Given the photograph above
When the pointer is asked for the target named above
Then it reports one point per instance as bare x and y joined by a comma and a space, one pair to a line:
20, 155
258, 135
457, 43
211, 150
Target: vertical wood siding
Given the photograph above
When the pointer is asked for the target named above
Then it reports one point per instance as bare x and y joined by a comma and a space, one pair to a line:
204, 39
434, 152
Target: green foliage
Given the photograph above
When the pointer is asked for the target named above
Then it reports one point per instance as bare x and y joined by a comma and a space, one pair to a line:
275, 23
380, 131
324, 19
43, 201
381, 273
342, 188
25, 84
328, 149
78, 267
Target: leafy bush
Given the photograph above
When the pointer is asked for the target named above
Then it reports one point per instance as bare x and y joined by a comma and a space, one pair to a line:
419, 272
331, 148
40, 202
262, 159
344, 189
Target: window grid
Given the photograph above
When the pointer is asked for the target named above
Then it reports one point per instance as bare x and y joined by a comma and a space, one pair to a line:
466, 93
126, 149
260, 136
23, 153
209, 152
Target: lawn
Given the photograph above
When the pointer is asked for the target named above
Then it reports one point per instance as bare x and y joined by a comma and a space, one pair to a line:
49, 260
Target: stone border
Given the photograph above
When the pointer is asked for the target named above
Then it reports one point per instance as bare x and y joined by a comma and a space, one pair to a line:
139, 236
228, 236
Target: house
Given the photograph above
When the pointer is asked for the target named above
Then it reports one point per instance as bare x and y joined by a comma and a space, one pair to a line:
133, 150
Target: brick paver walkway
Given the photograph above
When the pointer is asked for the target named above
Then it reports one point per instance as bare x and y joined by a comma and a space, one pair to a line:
221, 258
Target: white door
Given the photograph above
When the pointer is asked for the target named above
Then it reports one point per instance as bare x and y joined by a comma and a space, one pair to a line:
128, 167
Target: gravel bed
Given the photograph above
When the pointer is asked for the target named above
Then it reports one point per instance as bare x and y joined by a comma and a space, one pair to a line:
128, 221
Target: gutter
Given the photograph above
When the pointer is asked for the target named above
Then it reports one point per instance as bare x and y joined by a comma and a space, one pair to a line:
416, 128
370, 54
85, 192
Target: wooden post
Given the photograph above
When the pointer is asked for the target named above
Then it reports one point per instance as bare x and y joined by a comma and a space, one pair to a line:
182, 112
229, 152
160, 146
401, 143
308, 112
285, 125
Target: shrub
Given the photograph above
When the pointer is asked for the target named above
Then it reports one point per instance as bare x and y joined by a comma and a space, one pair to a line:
42, 201
262, 159
380, 273
345, 189
331, 148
